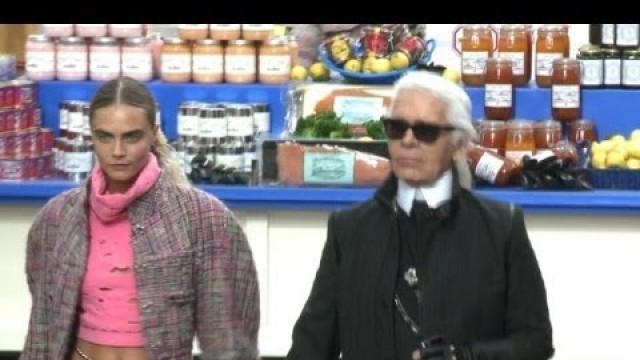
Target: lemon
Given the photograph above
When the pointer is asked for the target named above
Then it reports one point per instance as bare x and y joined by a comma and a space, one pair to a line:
633, 163
599, 160
353, 65
367, 65
299, 73
617, 138
319, 71
616, 159
635, 135
633, 147
399, 60
381, 66
452, 75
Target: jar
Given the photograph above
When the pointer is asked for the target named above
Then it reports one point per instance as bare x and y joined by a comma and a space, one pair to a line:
492, 135
104, 59
550, 45
498, 94
212, 124
137, 59
564, 30
126, 30
193, 31
592, 63
547, 133
274, 61
261, 118
631, 68
608, 35
520, 140
581, 132
514, 45
612, 67
225, 31
476, 46
628, 35
155, 44
40, 58
175, 61
257, 32
565, 90
208, 60
57, 30
595, 34
240, 62
293, 49
91, 30
188, 120
72, 59
491, 167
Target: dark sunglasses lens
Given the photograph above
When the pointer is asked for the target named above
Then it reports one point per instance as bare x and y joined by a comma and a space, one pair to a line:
394, 129
425, 133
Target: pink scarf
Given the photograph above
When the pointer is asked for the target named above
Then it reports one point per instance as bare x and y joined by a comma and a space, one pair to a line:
108, 207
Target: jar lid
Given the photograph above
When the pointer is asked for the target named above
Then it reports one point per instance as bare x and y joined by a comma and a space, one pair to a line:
207, 42
136, 40
174, 41
241, 42
39, 38
280, 40
635, 51
212, 112
104, 40
550, 123
239, 110
611, 51
590, 49
72, 40
260, 107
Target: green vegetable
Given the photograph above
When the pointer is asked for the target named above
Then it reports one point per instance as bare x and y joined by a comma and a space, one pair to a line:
323, 124
374, 129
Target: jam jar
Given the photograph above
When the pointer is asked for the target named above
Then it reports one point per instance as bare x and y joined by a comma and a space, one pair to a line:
72, 58
514, 44
631, 68
550, 45
137, 58
208, 60
547, 133
520, 140
592, 63
240, 62
477, 44
492, 135
499, 94
612, 67
192, 32
491, 167
40, 58
628, 35
274, 61
566, 103
175, 61
224, 32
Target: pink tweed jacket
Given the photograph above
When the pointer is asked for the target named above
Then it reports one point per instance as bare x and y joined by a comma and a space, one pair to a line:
194, 269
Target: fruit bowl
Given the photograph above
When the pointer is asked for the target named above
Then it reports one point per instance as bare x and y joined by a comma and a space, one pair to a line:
386, 78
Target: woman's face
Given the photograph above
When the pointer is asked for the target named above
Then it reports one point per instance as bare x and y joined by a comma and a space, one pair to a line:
123, 138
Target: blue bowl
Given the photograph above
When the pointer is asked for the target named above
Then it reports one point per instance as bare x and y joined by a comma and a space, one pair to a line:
387, 78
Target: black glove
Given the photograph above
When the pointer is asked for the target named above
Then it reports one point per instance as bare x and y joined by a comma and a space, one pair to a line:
437, 349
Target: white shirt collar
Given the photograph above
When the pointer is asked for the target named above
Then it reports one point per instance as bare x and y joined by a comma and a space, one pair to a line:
434, 194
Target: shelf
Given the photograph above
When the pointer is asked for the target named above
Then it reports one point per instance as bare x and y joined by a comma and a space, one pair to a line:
283, 198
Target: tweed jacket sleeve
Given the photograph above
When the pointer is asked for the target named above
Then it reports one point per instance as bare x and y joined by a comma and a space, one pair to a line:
227, 293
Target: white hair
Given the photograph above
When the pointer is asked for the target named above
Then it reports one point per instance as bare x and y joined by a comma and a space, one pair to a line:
457, 111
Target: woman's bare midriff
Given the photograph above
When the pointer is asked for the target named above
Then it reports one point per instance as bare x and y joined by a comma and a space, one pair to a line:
103, 352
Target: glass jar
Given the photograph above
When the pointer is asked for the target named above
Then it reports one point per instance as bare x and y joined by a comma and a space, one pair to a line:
608, 32
581, 131
91, 30
261, 118
520, 140
175, 61
225, 32
631, 68
476, 46
491, 167
274, 61
514, 45
592, 63
565, 90
628, 35
550, 45
498, 94
40, 58
126, 30
104, 59
58, 30
547, 133
293, 49
492, 135
257, 32
564, 31
612, 67
208, 60
137, 59
193, 32
240, 62
72, 59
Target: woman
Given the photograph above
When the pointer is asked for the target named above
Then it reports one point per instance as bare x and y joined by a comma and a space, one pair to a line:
136, 262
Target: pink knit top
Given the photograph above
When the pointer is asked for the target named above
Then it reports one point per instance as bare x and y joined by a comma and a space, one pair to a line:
109, 306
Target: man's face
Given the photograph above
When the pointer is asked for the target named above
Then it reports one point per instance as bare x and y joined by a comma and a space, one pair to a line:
414, 161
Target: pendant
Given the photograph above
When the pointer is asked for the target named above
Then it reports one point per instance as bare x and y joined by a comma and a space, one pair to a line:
411, 277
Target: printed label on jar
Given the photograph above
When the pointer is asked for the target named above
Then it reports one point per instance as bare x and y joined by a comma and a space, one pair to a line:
240, 126
40, 61
176, 63
75, 61
488, 167
517, 58
608, 34
627, 35
188, 125
592, 72
136, 63
631, 72
75, 122
262, 122
498, 95
235, 161
517, 155
544, 61
612, 71
275, 64
104, 63
212, 128
565, 96
207, 64
473, 62
240, 65
328, 168
248, 158
78, 162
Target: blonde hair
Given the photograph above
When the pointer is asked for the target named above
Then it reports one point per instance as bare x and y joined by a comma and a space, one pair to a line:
128, 91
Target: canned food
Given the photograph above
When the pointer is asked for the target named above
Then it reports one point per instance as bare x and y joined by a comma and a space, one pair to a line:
17, 93
17, 168
46, 140
43, 166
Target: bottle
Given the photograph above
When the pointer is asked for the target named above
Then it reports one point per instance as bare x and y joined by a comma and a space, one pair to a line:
491, 167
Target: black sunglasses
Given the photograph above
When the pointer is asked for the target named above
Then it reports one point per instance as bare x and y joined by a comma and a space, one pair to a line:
395, 129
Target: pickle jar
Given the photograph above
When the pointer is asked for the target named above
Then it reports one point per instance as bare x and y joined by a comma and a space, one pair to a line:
631, 68
550, 45
477, 44
514, 44
566, 102
592, 63
612, 67
498, 95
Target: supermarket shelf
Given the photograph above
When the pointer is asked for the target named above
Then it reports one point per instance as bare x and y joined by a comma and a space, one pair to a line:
285, 198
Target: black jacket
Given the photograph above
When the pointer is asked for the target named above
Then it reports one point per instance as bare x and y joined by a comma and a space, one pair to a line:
479, 279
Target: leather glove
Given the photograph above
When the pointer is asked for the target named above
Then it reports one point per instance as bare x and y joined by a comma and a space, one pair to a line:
437, 349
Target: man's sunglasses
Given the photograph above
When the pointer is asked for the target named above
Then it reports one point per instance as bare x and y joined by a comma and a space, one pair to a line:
395, 129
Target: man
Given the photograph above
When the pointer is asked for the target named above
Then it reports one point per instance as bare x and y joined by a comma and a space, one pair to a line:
458, 280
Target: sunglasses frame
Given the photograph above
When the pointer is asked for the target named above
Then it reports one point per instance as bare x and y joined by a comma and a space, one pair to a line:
423, 132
